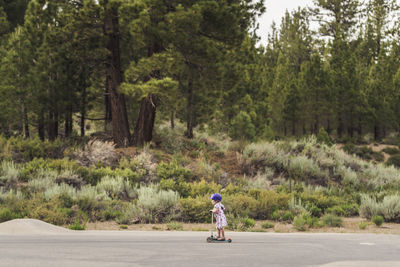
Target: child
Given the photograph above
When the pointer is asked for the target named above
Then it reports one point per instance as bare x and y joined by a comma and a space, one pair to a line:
220, 219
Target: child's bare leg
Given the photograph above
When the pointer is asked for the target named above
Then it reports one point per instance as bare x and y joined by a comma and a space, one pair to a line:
219, 232
223, 233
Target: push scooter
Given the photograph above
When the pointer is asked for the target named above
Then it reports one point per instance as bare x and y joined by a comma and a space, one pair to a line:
212, 238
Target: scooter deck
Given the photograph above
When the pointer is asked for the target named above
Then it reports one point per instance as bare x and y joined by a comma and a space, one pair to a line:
214, 240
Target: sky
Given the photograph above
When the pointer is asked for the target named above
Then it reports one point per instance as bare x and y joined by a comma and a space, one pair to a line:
275, 11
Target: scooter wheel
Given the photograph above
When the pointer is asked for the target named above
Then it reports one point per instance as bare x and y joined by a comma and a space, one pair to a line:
229, 240
209, 240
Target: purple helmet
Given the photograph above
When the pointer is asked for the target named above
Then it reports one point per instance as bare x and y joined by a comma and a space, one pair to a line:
216, 197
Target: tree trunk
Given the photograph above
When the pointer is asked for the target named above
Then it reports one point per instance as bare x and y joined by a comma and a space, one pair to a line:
340, 127
26, 122
294, 127
359, 128
82, 123
107, 115
172, 118
119, 115
328, 127
148, 107
145, 122
41, 125
376, 132
52, 126
68, 121
83, 110
190, 111
316, 125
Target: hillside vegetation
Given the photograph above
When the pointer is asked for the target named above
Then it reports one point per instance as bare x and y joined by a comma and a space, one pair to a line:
300, 181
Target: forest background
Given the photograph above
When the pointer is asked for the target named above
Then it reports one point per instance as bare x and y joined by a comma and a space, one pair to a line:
155, 73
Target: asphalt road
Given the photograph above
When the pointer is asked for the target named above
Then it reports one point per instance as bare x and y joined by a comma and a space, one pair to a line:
125, 248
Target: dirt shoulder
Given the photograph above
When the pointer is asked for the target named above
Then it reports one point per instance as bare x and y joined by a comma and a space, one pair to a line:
350, 225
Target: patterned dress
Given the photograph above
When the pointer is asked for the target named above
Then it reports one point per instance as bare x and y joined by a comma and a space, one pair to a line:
220, 219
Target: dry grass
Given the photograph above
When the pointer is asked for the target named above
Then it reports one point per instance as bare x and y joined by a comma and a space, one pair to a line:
350, 225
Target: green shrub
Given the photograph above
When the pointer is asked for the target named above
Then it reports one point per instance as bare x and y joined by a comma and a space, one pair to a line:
319, 200
304, 221
302, 168
248, 222
287, 216
5, 215
315, 211
350, 210
128, 215
323, 137
363, 225
20, 149
346, 210
116, 188
377, 220
391, 150
241, 205
173, 171
157, 205
240, 223
260, 155
37, 166
332, 220
77, 226
183, 188
123, 227
363, 152
170, 140
10, 174
242, 127
282, 215
196, 209
111, 214
369, 207
394, 160
174, 226
267, 225
203, 188
18, 206
300, 224
388, 208
269, 201
232, 189
336, 210
49, 211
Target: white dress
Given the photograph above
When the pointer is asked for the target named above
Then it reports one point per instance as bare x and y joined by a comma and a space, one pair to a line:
220, 219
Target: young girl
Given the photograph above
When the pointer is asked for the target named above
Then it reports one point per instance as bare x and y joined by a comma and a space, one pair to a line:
220, 219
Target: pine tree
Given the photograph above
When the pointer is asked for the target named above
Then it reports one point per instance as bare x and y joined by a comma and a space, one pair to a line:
336, 17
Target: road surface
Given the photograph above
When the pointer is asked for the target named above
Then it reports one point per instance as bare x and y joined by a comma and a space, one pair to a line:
137, 248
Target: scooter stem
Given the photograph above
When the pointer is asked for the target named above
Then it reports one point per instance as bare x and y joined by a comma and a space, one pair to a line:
212, 222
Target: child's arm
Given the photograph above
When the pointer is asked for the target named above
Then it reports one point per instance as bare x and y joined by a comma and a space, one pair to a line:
214, 210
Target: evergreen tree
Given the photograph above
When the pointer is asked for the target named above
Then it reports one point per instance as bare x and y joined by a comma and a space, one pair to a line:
336, 17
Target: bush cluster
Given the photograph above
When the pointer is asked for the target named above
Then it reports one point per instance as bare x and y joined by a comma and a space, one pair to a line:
163, 188
19, 149
388, 208
363, 152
